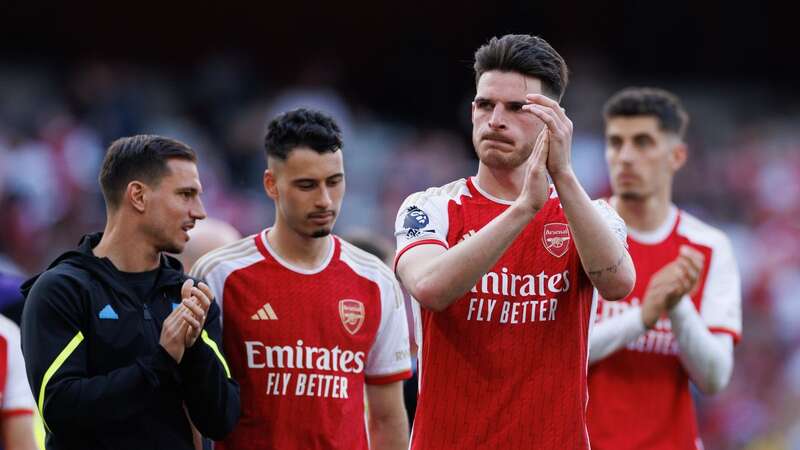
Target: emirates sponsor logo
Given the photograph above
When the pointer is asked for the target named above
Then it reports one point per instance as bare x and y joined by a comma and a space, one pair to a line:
556, 238
352, 314
300, 356
509, 298
294, 370
506, 283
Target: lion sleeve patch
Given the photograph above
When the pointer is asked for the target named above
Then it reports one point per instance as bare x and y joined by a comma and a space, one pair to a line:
415, 222
421, 219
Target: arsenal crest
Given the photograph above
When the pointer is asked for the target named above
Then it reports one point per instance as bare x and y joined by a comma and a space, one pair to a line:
556, 238
352, 314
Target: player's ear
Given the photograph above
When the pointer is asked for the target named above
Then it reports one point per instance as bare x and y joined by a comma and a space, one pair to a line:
680, 153
270, 184
136, 194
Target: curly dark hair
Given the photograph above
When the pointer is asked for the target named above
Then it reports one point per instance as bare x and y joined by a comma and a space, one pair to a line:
302, 128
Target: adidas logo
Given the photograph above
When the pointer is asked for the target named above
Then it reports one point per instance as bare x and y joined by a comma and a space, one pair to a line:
108, 313
264, 313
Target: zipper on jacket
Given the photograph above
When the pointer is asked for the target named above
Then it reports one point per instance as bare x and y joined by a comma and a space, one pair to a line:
150, 326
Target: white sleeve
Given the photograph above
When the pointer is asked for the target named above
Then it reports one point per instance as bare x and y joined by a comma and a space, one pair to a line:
389, 358
215, 266
17, 397
707, 357
721, 306
414, 321
612, 219
421, 218
615, 332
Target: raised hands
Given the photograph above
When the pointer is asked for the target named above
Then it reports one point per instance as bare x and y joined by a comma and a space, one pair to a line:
197, 300
535, 189
668, 286
183, 326
559, 130
551, 152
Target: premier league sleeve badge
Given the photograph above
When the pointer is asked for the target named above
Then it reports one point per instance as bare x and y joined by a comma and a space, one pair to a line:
415, 222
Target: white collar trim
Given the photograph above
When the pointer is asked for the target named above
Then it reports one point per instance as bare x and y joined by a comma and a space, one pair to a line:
488, 195
659, 234
292, 267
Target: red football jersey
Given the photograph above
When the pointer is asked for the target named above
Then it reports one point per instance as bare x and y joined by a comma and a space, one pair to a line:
639, 395
303, 343
504, 366
15, 393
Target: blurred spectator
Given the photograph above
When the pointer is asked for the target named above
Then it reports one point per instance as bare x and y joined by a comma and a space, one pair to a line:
11, 299
208, 234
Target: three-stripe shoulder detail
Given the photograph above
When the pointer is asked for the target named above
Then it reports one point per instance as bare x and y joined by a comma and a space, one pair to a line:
239, 249
369, 262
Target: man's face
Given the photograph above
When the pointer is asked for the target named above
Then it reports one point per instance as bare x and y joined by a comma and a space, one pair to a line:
173, 206
307, 189
641, 158
502, 132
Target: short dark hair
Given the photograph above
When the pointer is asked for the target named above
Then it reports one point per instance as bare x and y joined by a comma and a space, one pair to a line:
528, 55
142, 157
665, 106
302, 128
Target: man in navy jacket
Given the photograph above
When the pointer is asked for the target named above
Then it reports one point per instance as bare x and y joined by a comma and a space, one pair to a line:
120, 346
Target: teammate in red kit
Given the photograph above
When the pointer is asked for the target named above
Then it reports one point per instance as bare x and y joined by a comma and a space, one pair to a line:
684, 315
310, 322
504, 265
16, 403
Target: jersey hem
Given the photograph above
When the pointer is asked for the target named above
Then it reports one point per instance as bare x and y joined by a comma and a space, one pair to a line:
386, 379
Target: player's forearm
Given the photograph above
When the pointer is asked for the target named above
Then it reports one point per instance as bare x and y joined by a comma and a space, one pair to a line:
439, 281
388, 423
603, 256
389, 433
614, 333
708, 358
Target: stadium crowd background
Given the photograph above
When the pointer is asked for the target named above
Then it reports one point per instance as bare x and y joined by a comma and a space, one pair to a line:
400, 87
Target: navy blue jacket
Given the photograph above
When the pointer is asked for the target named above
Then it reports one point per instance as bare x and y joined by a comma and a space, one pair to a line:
98, 374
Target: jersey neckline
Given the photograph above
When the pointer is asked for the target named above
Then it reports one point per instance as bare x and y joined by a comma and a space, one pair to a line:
274, 254
659, 234
473, 180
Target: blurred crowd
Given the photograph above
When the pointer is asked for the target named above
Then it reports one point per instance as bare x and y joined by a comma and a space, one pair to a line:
743, 176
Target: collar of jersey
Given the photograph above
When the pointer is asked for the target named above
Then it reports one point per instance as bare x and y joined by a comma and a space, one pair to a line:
292, 267
487, 195
660, 233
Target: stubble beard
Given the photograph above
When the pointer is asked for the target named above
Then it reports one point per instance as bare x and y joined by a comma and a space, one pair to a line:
170, 247
631, 196
320, 233
507, 161
162, 240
